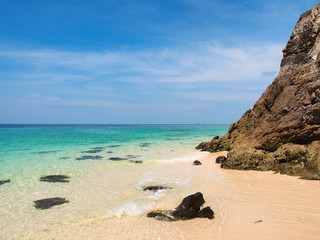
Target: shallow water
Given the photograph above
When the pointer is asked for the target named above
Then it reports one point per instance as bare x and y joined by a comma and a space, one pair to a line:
98, 186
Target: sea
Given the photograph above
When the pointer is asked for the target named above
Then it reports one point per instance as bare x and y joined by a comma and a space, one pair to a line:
108, 168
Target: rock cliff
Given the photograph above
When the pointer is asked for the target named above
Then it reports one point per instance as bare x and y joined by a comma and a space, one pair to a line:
281, 132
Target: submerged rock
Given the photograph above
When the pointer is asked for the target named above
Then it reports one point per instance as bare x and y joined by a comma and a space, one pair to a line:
114, 146
133, 156
136, 161
197, 162
161, 215
117, 158
47, 152
55, 178
145, 144
89, 157
49, 202
221, 159
155, 188
189, 208
4, 181
282, 131
92, 151
98, 148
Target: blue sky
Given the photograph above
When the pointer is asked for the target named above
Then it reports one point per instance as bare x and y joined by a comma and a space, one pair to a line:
130, 61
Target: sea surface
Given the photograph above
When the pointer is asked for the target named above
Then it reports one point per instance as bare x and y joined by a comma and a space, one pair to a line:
108, 166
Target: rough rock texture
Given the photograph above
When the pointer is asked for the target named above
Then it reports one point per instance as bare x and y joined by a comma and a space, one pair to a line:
281, 132
221, 159
189, 208
197, 162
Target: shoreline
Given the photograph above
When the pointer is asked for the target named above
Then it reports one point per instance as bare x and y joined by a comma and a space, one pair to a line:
247, 205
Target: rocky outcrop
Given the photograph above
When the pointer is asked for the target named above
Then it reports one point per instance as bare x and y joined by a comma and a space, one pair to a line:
281, 132
189, 208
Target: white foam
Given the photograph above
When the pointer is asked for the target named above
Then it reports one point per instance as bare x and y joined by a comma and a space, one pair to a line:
133, 208
139, 205
189, 157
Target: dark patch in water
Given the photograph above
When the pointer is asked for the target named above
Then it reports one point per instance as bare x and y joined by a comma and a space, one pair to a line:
175, 130
98, 148
114, 146
92, 151
4, 181
172, 139
88, 157
133, 156
136, 161
64, 157
145, 144
109, 152
47, 152
49, 202
117, 159
155, 188
55, 178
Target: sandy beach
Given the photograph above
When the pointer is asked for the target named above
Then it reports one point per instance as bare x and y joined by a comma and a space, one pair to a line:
247, 205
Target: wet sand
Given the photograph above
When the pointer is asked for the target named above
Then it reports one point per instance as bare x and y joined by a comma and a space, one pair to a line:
247, 205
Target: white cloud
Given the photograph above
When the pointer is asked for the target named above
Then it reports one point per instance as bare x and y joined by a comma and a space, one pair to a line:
205, 62
38, 99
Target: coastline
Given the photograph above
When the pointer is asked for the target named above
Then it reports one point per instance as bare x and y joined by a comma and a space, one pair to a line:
247, 205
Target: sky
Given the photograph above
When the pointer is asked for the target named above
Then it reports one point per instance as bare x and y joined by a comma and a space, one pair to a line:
139, 61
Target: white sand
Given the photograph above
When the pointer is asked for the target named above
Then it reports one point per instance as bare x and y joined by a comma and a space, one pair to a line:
247, 205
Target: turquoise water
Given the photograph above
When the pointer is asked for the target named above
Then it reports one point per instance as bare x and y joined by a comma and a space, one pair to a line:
98, 187
27, 150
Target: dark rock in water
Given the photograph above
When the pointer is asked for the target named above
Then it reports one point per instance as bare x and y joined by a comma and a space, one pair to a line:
114, 146
55, 178
88, 157
49, 202
4, 181
189, 208
221, 159
145, 144
161, 215
92, 151
206, 213
197, 162
98, 148
155, 188
109, 152
133, 156
47, 152
64, 158
136, 161
117, 158
282, 130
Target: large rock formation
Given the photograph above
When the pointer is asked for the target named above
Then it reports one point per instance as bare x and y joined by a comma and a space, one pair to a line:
281, 132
